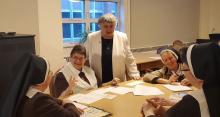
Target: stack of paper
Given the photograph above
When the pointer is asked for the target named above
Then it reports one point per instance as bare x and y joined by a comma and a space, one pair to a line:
134, 83
121, 90
102, 90
85, 98
177, 87
146, 90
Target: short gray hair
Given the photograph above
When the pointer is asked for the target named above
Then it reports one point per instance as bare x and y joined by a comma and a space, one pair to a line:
109, 18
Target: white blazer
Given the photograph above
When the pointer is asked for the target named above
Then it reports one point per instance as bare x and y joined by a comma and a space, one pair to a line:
69, 71
122, 58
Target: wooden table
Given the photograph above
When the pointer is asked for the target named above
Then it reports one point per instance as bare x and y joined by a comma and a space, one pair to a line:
127, 105
147, 60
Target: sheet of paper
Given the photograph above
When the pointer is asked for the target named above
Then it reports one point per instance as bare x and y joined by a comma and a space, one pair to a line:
146, 90
85, 98
110, 96
102, 90
134, 83
80, 106
177, 87
106, 96
155, 57
177, 96
121, 90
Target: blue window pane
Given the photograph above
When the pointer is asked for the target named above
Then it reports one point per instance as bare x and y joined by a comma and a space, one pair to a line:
78, 9
79, 29
65, 14
73, 32
78, 5
65, 4
97, 9
73, 8
66, 30
77, 15
94, 27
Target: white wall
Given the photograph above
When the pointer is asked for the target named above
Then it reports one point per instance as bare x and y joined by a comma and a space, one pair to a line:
50, 32
209, 17
158, 22
39, 17
19, 16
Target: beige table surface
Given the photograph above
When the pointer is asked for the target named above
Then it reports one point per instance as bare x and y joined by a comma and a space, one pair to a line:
127, 105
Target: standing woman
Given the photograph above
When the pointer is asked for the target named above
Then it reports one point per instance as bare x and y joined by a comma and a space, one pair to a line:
109, 52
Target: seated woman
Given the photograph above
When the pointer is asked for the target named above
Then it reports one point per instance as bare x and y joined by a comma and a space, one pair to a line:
203, 102
35, 74
74, 77
170, 72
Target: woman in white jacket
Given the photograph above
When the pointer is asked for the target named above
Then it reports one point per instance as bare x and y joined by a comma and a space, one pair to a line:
109, 52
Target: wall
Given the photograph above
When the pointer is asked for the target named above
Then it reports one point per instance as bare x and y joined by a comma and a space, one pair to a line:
39, 17
19, 16
158, 22
209, 17
50, 32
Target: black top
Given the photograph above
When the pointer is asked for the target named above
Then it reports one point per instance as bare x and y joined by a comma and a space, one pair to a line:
28, 70
58, 85
187, 107
42, 105
107, 74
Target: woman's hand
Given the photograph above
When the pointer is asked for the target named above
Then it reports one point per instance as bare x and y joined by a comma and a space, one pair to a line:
72, 82
161, 101
147, 109
136, 77
72, 85
115, 81
158, 110
185, 82
173, 78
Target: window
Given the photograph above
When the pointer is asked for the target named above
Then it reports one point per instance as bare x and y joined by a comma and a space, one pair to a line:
81, 16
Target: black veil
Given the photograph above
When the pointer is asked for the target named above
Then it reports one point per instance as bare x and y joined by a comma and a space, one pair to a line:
28, 70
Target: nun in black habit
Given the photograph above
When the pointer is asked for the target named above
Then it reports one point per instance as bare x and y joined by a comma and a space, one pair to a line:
201, 66
25, 98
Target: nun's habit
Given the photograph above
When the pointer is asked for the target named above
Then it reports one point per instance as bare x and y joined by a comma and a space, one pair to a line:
26, 101
203, 61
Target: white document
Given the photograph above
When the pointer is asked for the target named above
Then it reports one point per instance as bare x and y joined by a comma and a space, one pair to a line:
177, 96
121, 90
134, 83
106, 96
80, 106
155, 57
146, 90
85, 98
102, 90
177, 87
102, 93
110, 96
